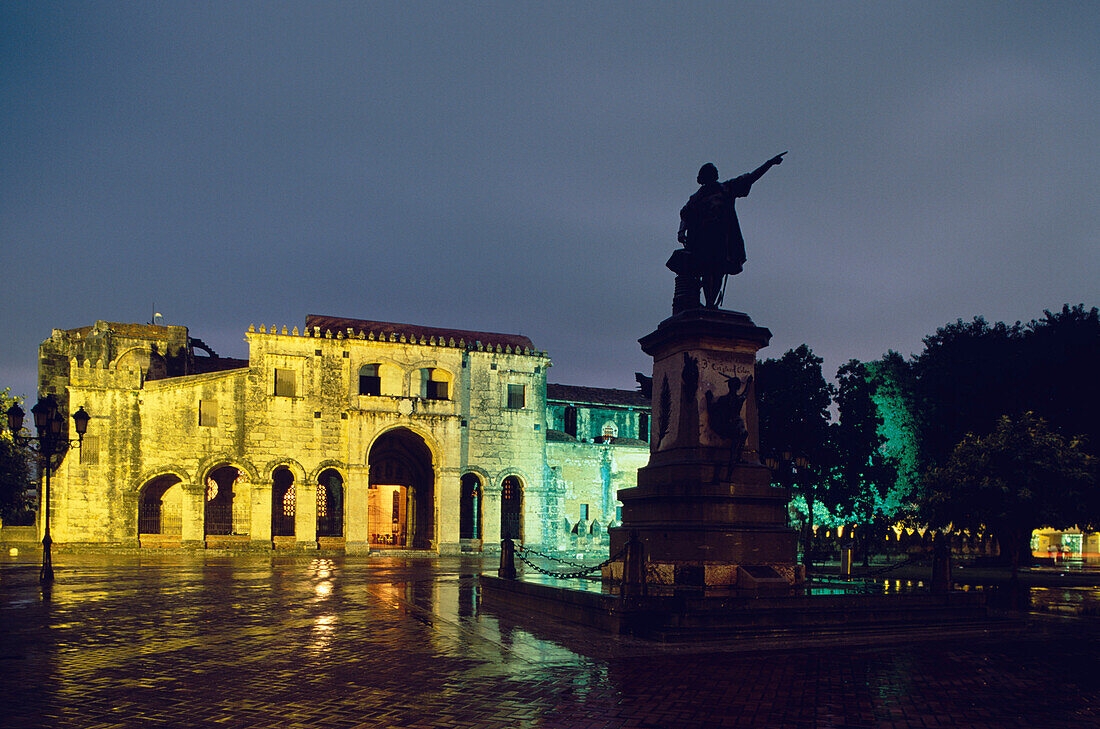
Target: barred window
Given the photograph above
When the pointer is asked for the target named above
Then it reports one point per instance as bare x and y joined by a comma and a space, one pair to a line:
516, 397
89, 451
284, 383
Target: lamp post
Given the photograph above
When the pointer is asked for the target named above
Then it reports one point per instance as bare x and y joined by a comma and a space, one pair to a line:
50, 442
783, 465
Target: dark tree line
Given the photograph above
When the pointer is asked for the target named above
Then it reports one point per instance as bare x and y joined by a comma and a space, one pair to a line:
990, 427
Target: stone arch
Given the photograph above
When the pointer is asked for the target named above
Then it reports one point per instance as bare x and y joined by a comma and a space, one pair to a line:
471, 497
284, 484
170, 470
206, 465
402, 489
146, 360
295, 467
512, 488
331, 495
219, 494
485, 476
416, 428
160, 505
338, 466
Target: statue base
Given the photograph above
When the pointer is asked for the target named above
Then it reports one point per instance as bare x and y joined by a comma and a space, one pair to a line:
706, 522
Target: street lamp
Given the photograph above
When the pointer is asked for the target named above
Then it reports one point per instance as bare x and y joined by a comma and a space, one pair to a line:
50, 442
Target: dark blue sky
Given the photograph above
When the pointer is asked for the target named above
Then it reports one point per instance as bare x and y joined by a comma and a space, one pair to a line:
519, 167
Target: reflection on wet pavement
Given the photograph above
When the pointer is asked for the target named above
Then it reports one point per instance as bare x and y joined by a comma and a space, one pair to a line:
200, 640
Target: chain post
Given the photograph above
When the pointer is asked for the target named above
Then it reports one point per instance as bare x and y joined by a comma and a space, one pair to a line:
507, 570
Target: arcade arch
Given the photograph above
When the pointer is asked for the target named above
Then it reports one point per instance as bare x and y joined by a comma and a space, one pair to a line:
511, 508
401, 491
160, 506
469, 507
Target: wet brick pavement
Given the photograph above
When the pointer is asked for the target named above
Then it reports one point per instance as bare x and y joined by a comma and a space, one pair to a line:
259, 641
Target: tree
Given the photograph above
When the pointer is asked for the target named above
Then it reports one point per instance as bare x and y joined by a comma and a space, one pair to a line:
968, 376
894, 394
794, 401
863, 477
1063, 355
15, 469
1019, 477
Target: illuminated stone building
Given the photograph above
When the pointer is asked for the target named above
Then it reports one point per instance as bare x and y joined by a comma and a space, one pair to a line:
346, 434
597, 439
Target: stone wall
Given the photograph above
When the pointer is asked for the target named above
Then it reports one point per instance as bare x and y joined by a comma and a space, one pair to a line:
146, 425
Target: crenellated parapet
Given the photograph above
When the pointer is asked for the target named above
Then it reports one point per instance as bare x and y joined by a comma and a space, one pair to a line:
399, 337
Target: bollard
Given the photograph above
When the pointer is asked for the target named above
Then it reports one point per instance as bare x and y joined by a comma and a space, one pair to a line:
507, 570
634, 582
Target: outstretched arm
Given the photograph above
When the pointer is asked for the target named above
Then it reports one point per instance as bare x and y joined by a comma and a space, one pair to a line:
759, 171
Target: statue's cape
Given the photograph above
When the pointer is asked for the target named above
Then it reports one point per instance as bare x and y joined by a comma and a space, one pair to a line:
713, 232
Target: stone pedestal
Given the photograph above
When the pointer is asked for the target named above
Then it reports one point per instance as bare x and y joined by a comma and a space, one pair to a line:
705, 522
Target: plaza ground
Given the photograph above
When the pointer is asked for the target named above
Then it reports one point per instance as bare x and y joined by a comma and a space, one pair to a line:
201, 640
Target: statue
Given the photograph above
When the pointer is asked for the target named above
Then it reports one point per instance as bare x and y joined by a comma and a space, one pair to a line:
710, 233
724, 415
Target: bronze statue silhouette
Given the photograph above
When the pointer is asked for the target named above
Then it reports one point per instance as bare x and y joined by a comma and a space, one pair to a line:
724, 415
710, 233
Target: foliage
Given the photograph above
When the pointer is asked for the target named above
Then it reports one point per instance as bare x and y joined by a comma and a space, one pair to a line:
1019, 477
794, 401
15, 469
894, 396
793, 416
971, 374
1063, 386
968, 376
864, 478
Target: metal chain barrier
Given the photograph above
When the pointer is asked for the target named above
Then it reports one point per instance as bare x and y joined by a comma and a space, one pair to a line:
891, 567
522, 552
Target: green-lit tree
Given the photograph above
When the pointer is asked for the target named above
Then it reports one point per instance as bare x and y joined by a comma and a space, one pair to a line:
15, 469
863, 478
1020, 476
794, 400
895, 400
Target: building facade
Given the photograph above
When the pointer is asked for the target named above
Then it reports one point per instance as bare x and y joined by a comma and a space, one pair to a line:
348, 433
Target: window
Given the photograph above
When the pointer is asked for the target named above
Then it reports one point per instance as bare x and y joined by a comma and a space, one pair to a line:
643, 426
610, 430
584, 512
284, 383
370, 381
516, 397
208, 413
89, 451
433, 386
571, 421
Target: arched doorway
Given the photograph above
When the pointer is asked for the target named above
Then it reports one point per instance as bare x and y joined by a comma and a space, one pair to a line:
469, 508
401, 491
160, 508
282, 502
218, 512
330, 504
511, 508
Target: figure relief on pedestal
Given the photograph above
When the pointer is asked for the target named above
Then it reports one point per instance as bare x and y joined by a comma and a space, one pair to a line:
713, 247
726, 417
687, 428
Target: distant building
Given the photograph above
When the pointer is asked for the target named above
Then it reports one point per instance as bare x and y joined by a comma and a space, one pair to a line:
348, 434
